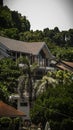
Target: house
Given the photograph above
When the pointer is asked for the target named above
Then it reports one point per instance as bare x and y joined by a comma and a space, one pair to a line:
64, 65
9, 111
22, 103
35, 51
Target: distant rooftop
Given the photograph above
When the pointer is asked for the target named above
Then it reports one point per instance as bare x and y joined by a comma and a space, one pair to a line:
65, 65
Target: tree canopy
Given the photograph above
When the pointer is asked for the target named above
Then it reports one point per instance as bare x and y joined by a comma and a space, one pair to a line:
56, 103
16, 26
12, 19
9, 73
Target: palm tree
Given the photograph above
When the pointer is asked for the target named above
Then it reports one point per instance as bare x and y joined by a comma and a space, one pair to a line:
32, 86
43, 84
27, 71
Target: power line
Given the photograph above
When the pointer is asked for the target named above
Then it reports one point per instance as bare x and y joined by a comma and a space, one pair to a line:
65, 115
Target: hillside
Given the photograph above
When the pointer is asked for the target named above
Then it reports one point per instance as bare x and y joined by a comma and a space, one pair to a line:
16, 26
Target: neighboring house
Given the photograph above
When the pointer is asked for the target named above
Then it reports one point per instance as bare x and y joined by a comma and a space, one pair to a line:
64, 65
9, 111
22, 104
35, 51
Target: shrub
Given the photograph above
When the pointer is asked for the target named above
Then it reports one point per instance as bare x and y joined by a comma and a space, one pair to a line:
67, 124
5, 122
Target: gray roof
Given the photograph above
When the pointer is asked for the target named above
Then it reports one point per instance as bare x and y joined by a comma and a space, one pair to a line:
20, 46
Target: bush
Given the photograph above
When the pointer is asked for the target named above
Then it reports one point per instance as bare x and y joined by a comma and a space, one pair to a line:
5, 122
17, 123
67, 124
54, 125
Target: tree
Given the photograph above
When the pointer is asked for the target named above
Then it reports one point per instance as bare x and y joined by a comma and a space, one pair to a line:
5, 17
55, 104
46, 32
25, 24
5, 123
1, 2
70, 37
56, 30
26, 72
64, 76
16, 20
12, 33
20, 22
43, 84
26, 36
67, 124
9, 73
4, 94
12, 19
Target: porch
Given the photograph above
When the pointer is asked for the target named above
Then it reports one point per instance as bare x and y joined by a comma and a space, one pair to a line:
39, 59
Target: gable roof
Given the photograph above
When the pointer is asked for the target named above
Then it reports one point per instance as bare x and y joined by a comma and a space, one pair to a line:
9, 111
20, 46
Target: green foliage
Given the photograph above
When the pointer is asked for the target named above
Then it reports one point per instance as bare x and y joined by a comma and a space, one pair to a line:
62, 53
67, 124
59, 43
5, 123
54, 125
9, 74
25, 36
5, 17
43, 84
16, 26
23, 60
56, 103
12, 19
17, 121
64, 76
4, 94
11, 33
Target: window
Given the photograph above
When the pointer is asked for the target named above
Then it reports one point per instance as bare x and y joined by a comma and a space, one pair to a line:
23, 104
